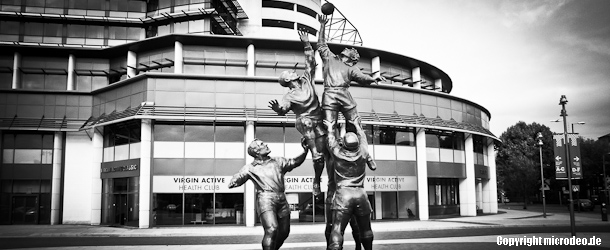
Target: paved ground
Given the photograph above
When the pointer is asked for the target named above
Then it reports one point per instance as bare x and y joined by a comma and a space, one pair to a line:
509, 216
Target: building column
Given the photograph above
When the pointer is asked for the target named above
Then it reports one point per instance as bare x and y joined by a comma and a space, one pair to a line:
479, 194
132, 64
58, 142
490, 187
178, 57
468, 206
145, 173
438, 85
249, 192
71, 62
16, 73
96, 177
251, 60
378, 206
376, 66
422, 174
416, 77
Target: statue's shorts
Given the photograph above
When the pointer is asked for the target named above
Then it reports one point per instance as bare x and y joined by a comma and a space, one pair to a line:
275, 202
337, 99
351, 200
311, 128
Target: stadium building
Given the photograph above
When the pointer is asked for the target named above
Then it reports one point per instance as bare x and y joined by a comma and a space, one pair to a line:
137, 113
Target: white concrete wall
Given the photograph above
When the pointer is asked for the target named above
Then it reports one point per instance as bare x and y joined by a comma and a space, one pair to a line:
77, 181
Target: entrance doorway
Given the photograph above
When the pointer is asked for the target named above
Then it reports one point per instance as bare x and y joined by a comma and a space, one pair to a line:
120, 209
25, 209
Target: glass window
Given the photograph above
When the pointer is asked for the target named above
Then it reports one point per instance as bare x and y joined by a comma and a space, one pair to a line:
228, 133
134, 33
163, 30
120, 5
33, 29
385, 136
165, 132
52, 29
94, 31
35, 3
28, 141
55, 3
117, 32
405, 138
26, 186
8, 141
9, 27
196, 26
458, 141
278, 23
270, 133
181, 27
164, 3
77, 4
95, 4
137, 6
55, 82
76, 30
292, 135
32, 81
432, 141
446, 141
199, 133
278, 4
7, 155
25, 156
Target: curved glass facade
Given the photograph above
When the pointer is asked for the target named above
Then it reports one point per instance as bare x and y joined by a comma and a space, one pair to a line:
157, 127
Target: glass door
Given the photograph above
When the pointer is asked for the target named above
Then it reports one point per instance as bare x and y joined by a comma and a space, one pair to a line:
25, 209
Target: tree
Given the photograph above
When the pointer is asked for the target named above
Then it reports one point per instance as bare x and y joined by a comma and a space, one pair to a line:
518, 160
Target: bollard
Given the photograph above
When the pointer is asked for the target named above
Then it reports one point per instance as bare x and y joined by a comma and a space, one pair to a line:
604, 212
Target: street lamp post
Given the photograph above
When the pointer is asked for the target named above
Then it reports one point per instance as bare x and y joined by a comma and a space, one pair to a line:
604, 179
542, 176
563, 101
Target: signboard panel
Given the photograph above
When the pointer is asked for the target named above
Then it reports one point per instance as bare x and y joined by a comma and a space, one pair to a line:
193, 184
292, 184
560, 157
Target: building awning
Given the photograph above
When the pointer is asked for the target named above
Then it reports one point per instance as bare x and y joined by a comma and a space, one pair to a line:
173, 113
41, 124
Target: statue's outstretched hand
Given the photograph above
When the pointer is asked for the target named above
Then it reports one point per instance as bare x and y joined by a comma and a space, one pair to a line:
380, 78
303, 36
273, 104
322, 19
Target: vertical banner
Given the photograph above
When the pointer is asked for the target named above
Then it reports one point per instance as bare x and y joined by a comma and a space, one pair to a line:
560, 157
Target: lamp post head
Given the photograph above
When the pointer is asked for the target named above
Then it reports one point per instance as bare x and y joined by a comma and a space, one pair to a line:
563, 100
539, 137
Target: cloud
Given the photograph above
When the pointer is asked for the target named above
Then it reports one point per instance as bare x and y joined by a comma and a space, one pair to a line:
599, 46
526, 12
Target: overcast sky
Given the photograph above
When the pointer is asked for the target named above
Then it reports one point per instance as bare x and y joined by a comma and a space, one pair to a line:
514, 57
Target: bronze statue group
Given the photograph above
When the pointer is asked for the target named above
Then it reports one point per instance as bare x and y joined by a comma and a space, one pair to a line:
345, 157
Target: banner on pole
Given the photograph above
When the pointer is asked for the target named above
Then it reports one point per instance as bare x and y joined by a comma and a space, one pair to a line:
561, 158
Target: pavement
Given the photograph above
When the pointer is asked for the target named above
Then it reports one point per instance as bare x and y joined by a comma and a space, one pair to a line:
507, 216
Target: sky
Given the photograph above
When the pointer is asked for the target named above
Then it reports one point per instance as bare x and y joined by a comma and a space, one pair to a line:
514, 57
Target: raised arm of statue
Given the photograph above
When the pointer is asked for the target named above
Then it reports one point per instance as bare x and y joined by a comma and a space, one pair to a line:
322, 47
297, 161
310, 61
359, 77
240, 178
